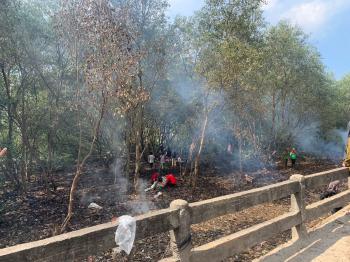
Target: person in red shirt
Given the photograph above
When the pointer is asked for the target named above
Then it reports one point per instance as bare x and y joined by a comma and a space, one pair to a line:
154, 177
171, 180
160, 182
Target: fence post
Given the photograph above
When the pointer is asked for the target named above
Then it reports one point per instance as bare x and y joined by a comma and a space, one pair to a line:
180, 238
298, 204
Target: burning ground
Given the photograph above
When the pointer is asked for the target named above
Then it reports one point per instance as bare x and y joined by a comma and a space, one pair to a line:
39, 214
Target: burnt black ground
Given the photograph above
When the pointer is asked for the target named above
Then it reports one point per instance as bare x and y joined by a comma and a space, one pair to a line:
38, 214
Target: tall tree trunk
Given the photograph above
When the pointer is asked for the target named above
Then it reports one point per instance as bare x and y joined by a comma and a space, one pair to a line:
283, 109
237, 130
10, 120
50, 150
240, 153
137, 147
197, 159
189, 160
128, 147
25, 144
273, 127
138, 134
24, 158
50, 138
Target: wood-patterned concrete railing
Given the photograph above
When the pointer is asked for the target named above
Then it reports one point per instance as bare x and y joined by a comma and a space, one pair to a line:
180, 215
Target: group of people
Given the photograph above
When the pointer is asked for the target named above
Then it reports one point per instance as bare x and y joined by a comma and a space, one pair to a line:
290, 155
164, 157
162, 179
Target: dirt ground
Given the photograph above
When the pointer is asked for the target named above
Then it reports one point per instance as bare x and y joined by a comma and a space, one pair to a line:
38, 214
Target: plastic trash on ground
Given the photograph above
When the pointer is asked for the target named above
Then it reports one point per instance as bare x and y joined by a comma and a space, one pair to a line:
157, 195
125, 234
94, 206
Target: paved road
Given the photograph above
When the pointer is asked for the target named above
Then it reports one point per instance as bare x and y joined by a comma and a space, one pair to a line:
327, 243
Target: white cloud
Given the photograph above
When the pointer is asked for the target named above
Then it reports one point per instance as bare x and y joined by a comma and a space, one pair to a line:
309, 16
313, 16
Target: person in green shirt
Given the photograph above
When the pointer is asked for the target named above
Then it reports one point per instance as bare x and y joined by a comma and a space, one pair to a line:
293, 156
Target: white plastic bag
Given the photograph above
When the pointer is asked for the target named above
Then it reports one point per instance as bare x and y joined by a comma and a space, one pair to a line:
125, 234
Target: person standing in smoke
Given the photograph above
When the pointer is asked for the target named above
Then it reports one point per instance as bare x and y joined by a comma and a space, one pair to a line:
151, 158
173, 159
229, 149
162, 161
293, 157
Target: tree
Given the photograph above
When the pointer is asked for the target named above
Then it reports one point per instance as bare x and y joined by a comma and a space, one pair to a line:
24, 35
102, 42
294, 78
149, 24
231, 35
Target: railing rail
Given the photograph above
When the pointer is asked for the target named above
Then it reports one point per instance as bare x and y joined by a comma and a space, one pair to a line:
324, 178
179, 217
242, 240
219, 206
87, 241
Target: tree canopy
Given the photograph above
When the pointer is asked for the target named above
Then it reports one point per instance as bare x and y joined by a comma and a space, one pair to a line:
117, 78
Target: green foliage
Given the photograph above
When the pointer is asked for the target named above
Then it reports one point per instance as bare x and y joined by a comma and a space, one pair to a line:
341, 101
260, 85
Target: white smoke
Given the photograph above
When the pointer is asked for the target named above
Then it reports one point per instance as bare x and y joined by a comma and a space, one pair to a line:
308, 139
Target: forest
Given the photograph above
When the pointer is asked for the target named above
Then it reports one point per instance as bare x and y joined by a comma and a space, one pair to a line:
90, 89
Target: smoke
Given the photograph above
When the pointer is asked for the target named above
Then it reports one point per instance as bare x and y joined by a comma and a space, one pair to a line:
120, 179
137, 204
142, 204
115, 190
331, 146
87, 197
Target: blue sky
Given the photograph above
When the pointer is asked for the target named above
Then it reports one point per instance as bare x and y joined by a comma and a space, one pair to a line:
326, 21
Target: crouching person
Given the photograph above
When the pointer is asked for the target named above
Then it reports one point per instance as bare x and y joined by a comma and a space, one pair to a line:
333, 189
161, 183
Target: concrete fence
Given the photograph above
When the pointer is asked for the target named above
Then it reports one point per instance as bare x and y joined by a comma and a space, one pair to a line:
180, 215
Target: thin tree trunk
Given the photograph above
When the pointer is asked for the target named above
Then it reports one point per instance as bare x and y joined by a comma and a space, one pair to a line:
273, 128
25, 144
240, 152
137, 147
81, 165
10, 110
189, 160
197, 159
138, 144
283, 109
